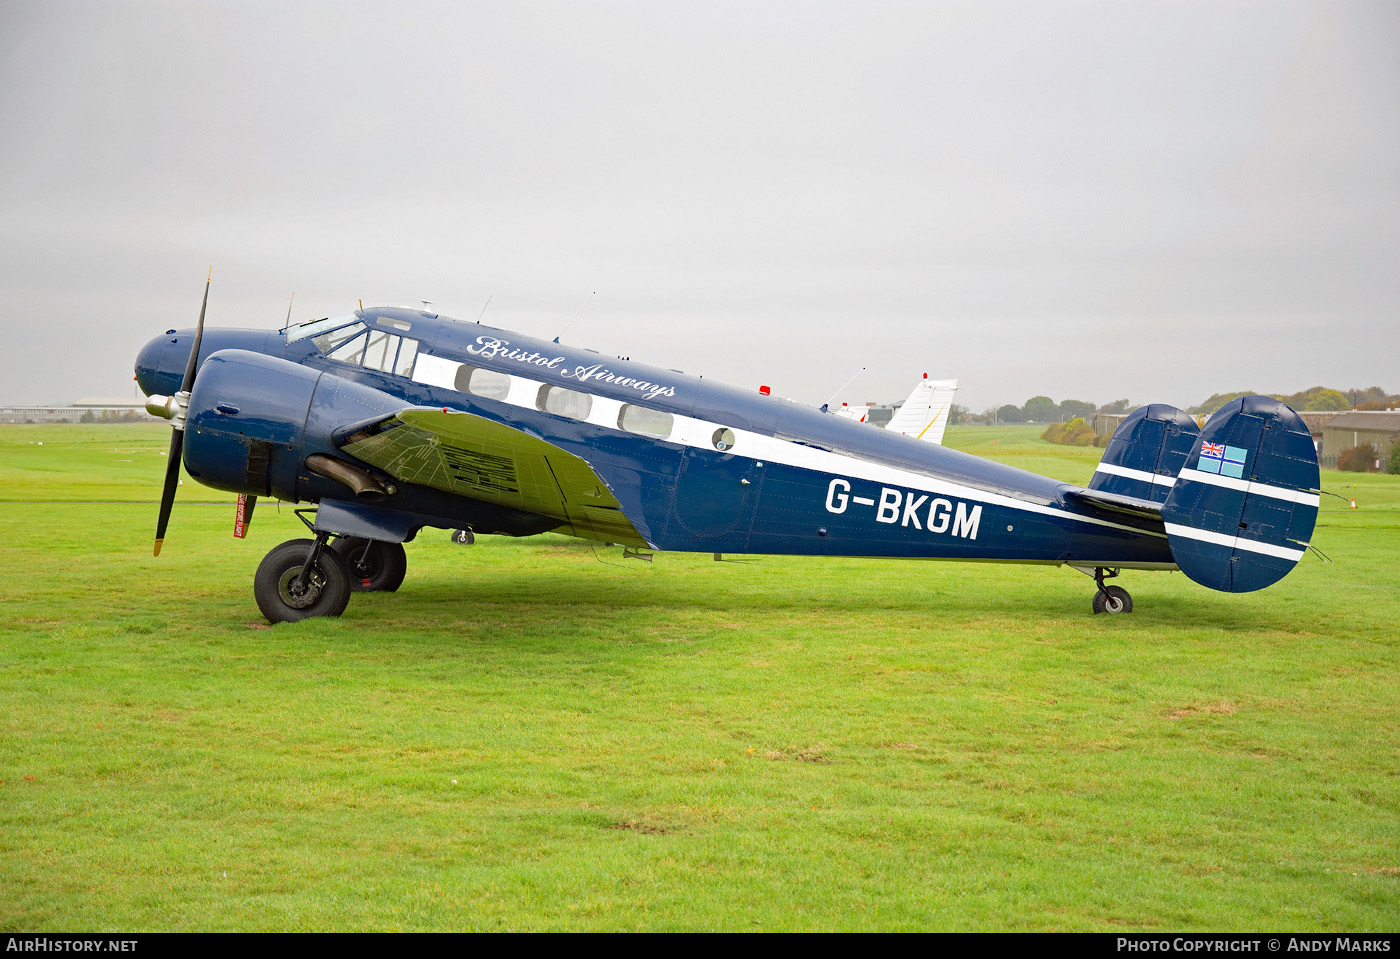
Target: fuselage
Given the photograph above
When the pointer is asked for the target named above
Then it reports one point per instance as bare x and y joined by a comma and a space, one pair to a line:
696, 465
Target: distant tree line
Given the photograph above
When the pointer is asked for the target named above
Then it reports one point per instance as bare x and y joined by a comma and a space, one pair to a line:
1042, 409
1037, 409
1317, 399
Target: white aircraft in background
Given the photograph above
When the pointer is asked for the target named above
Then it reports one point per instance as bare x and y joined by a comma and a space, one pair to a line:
924, 414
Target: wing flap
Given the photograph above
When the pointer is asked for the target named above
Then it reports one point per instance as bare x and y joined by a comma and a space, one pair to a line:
471, 456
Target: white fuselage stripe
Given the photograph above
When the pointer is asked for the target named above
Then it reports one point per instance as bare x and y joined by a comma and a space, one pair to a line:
1234, 542
1249, 486
1156, 479
699, 434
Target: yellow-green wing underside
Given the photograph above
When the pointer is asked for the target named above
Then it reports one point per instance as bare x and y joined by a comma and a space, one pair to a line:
478, 458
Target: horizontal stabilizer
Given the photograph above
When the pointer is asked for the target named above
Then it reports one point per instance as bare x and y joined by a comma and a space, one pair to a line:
1146, 453
1117, 503
1243, 508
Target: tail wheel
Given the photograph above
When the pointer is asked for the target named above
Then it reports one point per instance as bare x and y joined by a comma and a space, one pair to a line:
286, 596
373, 566
1113, 599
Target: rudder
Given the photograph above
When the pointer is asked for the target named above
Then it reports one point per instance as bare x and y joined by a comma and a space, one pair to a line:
1146, 453
1243, 508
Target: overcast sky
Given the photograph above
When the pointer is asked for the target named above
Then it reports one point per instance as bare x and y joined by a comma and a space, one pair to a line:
1087, 200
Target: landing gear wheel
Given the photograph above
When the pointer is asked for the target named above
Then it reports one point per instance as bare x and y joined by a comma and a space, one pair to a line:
1113, 599
463, 537
373, 566
286, 596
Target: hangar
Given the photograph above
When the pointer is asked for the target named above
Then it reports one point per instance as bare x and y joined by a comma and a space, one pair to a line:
1357, 428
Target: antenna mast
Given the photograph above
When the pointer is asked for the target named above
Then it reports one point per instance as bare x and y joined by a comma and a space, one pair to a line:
575, 316
843, 386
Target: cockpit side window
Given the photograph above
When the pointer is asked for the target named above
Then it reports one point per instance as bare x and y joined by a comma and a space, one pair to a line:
372, 349
349, 351
379, 346
328, 342
408, 352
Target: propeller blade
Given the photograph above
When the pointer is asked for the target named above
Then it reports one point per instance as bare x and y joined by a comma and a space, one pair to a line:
188, 382
177, 438
172, 480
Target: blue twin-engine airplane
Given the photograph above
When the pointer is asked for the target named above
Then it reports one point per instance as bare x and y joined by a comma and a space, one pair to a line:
390, 420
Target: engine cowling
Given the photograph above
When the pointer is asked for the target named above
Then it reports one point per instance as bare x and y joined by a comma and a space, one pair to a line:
247, 428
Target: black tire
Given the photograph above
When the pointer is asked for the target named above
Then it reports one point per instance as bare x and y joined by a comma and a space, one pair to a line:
381, 569
1113, 599
328, 585
463, 537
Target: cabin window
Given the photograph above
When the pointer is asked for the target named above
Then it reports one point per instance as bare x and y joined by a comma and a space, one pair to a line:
487, 384
723, 440
562, 402
639, 419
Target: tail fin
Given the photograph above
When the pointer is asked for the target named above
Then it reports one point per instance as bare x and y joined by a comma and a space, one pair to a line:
1242, 511
925, 414
1146, 453
857, 413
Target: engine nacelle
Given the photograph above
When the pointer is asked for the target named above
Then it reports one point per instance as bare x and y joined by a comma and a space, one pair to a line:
247, 429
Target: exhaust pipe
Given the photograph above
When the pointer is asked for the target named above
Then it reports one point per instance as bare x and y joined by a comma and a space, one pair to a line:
366, 485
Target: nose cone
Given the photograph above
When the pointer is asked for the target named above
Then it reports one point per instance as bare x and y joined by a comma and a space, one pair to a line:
148, 369
160, 366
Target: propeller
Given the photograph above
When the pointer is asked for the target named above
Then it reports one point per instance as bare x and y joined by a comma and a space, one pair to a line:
177, 439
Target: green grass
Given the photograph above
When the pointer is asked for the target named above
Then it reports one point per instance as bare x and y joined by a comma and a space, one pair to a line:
526, 737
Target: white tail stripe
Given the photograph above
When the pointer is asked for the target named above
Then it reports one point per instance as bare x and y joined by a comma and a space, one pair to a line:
1156, 479
1248, 486
1234, 542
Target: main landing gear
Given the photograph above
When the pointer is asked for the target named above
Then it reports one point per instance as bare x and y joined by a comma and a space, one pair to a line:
1110, 599
303, 578
374, 567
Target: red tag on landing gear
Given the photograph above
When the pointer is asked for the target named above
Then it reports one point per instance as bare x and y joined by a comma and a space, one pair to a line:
240, 517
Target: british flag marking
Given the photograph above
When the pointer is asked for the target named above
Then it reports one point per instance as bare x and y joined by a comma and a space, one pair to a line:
1233, 462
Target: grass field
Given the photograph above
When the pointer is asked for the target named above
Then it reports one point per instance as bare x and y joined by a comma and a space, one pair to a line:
532, 735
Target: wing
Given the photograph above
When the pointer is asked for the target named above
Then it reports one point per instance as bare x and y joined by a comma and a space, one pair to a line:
472, 456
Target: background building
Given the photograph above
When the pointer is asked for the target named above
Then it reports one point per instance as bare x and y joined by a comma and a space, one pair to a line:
1357, 428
